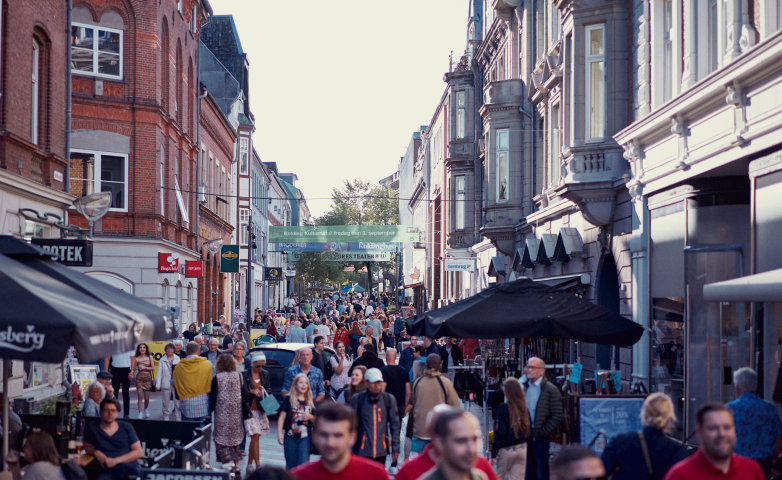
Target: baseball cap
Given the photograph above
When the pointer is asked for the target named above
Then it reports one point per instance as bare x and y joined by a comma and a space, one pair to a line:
373, 375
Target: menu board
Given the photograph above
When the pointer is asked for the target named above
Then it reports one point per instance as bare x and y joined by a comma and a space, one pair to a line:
610, 415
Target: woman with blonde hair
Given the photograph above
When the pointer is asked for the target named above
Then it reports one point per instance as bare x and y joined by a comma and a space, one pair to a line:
647, 453
294, 425
511, 432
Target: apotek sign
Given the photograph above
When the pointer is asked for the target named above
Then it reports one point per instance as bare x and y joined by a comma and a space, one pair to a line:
168, 263
75, 253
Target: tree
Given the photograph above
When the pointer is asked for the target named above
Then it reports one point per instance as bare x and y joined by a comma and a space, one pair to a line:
360, 203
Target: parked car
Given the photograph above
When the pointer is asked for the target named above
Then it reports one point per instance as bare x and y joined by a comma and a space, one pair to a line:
280, 356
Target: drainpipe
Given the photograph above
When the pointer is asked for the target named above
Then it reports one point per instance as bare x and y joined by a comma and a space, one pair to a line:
199, 97
68, 101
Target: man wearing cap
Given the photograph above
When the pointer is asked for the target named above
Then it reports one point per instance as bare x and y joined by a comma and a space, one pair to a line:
104, 378
378, 420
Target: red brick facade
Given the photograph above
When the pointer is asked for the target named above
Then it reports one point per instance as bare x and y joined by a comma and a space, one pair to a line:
217, 140
152, 104
25, 24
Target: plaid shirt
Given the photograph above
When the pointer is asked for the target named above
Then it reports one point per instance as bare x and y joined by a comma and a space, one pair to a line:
195, 407
314, 374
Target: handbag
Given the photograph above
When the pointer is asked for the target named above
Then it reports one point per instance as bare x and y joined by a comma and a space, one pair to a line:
269, 404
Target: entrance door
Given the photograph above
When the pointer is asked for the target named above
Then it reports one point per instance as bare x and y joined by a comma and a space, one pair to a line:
717, 335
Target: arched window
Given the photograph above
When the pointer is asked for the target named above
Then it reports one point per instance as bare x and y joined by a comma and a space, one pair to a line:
191, 96
179, 105
165, 295
164, 63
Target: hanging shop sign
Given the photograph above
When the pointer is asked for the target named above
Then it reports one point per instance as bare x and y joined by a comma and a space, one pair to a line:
349, 256
229, 259
345, 233
194, 268
459, 265
74, 253
272, 274
167, 263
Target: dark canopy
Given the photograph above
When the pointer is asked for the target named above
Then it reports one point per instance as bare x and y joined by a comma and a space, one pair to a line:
524, 308
45, 307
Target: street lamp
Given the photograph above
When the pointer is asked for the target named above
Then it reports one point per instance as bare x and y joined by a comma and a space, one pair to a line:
93, 206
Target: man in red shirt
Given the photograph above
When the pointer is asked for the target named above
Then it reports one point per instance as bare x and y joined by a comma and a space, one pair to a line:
415, 468
334, 434
716, 431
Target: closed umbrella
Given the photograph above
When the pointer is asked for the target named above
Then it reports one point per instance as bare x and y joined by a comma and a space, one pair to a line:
524, 308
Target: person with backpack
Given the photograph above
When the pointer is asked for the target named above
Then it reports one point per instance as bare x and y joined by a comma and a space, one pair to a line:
378, 420
430, 390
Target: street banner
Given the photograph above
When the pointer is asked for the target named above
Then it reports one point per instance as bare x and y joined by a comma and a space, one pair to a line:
229, 259
345, 233
335, 247
459, 265
349, 256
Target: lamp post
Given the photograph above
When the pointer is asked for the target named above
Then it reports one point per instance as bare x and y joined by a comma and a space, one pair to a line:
93, 207
213, 246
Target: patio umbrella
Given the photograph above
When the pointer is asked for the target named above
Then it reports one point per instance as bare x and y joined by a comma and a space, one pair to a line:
345, 289
46, 307
524, 308
358, 288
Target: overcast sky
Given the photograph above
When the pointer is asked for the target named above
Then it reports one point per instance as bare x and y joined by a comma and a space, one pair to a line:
338, 87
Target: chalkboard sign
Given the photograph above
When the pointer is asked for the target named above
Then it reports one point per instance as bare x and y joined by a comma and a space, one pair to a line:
610, 414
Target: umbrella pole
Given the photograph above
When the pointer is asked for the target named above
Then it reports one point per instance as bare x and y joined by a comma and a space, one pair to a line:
6, 374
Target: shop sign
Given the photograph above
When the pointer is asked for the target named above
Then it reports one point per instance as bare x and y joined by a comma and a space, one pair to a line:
229, 259
459, 265
175, 474
272, 274
75, 253
194, 268
168, 263
344, 233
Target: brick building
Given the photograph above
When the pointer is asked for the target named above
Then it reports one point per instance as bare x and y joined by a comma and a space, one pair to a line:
32, 116
134, 133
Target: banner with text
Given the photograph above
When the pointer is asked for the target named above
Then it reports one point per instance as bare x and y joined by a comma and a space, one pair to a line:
345, 233
362, 247
349, 256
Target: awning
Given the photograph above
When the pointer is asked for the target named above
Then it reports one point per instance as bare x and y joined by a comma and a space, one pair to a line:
497, 267
760, 287
564, 282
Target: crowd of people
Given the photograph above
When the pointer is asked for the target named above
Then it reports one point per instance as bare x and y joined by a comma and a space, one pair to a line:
369, 409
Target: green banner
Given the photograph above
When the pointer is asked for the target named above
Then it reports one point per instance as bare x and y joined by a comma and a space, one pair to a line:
345, 233
348, 256
229, 259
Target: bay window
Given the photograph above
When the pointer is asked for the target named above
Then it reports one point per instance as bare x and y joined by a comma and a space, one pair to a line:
460, 197
461, 119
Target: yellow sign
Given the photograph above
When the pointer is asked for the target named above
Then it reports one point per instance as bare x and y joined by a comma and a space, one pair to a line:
229, 255
256, 333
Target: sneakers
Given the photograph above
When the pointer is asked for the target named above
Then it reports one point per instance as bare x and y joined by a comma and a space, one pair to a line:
146, 413
140, 415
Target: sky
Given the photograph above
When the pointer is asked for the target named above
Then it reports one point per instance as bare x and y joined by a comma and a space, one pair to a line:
338, 87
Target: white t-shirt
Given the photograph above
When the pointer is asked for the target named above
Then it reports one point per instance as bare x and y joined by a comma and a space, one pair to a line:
122, 360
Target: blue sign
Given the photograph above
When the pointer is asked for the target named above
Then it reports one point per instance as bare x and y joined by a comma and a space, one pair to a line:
575, 373
611, 415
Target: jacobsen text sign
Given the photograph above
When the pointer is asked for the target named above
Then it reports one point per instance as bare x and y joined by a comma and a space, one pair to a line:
76, 253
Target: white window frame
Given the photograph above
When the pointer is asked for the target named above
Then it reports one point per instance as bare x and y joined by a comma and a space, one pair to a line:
36, 91
667, 79
98, 155
589, 60
244, 155
95, 52
244, 221
499, 161
460, 191
461, 114
555, 144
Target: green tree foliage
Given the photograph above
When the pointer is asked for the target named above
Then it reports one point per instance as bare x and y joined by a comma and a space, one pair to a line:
356, 203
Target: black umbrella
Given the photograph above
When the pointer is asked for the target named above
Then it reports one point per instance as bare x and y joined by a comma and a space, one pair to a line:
524, 308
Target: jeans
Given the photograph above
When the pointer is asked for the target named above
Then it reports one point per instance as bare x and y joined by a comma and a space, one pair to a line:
297, 451
537, 459
119, 377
